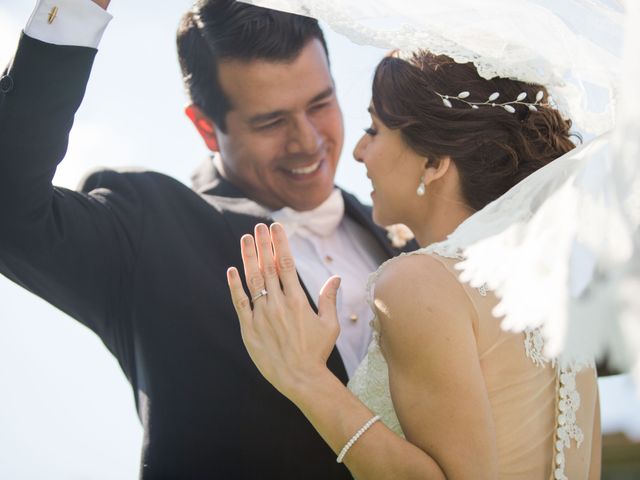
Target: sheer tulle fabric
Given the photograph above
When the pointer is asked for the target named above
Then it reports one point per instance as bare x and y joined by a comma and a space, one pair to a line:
573, 48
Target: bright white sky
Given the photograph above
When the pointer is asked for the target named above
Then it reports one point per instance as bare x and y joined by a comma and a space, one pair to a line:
66, 410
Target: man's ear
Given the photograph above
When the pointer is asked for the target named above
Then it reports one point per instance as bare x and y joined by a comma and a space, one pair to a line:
205, 126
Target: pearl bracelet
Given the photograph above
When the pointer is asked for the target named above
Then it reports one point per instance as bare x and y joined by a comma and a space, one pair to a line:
355, 438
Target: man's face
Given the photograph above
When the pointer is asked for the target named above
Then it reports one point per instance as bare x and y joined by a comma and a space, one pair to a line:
284, 130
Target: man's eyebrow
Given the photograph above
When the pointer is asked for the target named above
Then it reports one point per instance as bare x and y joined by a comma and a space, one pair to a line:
323, 95
265, 117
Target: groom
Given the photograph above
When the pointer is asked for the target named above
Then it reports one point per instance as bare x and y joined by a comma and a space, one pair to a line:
140, 259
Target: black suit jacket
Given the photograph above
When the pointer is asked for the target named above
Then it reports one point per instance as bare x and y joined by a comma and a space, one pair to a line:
140, 259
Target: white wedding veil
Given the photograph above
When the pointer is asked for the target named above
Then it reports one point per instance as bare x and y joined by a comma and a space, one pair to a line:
561, 249
570, 46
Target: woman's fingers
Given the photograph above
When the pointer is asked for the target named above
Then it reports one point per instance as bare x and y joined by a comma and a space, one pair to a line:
255, 280
257, 335
284, 261
239, 297
280, 331
266, 261
328, 299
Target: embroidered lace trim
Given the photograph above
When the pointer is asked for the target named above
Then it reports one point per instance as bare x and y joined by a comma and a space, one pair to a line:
534, 345
568, 399
567, 428
370, 383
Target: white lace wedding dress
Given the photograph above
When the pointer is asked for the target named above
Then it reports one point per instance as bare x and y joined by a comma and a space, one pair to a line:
546, 417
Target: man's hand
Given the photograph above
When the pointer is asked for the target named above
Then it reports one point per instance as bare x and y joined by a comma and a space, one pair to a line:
103, 3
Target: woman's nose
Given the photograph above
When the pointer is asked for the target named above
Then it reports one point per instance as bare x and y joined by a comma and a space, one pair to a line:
358, 151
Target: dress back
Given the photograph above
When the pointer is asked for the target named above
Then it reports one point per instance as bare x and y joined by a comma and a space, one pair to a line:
546, 417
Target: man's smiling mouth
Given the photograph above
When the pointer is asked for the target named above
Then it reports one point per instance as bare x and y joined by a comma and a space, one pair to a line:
305, 170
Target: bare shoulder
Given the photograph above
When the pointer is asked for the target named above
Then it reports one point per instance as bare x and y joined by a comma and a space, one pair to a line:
419, 287
435, 376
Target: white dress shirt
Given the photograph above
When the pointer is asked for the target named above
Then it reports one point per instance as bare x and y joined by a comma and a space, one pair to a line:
68, 22
347, 253
344, 248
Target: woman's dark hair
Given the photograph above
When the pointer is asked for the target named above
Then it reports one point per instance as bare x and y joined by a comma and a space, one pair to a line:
218, 30
491, 148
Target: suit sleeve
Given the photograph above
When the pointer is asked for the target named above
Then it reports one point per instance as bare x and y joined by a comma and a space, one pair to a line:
76, 250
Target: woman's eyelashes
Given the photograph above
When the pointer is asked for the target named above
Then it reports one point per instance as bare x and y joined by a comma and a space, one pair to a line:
371, 131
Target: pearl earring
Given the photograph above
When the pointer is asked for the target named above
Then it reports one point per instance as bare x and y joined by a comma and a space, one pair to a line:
422, 188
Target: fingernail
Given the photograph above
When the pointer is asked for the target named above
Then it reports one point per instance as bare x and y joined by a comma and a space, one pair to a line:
337, 282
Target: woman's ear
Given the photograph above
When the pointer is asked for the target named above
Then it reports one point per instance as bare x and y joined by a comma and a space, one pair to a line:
205, 126
436, 169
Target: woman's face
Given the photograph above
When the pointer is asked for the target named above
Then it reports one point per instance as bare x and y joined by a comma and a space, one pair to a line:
395, 171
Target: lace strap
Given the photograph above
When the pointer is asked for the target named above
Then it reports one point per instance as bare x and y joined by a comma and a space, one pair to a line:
567, 400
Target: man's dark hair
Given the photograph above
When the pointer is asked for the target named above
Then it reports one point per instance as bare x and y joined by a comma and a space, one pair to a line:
217, 30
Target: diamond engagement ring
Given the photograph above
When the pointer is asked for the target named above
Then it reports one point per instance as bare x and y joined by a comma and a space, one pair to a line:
261, 293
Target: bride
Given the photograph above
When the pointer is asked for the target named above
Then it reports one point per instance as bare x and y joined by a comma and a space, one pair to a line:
443, 392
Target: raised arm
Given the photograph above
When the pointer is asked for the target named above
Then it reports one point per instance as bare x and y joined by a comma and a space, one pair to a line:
73, 249
41, 90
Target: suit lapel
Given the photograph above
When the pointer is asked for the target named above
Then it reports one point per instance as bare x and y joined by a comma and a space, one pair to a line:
242, 216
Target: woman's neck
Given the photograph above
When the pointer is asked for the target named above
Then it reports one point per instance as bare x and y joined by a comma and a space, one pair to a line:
440, 222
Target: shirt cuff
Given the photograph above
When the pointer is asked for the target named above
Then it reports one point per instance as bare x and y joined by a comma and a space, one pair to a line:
68, 22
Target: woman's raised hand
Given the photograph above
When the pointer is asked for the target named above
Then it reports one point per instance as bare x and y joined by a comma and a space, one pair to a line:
286, 339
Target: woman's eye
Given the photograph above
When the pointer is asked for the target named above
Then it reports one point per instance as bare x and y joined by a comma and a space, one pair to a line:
371, 131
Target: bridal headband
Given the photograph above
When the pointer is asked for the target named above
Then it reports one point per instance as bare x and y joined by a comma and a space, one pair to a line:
492, 101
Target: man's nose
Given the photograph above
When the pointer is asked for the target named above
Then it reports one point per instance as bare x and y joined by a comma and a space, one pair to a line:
304, 137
